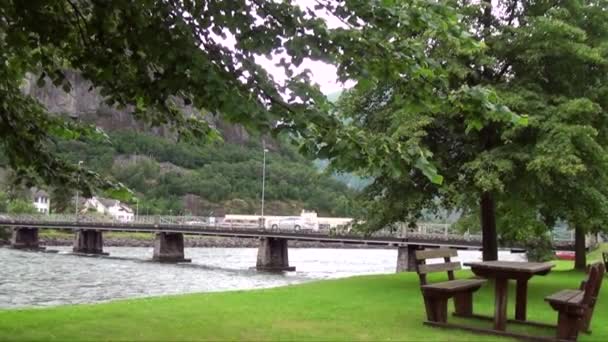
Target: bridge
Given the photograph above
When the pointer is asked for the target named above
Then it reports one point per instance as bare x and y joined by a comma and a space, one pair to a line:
272, 252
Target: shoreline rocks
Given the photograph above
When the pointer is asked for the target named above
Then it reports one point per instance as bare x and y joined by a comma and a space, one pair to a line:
200, 241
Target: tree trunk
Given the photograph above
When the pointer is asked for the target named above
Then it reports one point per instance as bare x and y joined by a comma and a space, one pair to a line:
580, 258
489, 240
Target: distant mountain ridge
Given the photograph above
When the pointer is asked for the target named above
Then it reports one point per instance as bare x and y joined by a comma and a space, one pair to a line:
85, 103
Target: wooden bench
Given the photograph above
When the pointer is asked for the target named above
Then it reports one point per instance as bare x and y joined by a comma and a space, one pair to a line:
436, 295
575, 307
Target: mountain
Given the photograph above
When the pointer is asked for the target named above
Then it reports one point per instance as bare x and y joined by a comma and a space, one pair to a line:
86, 104
171, 177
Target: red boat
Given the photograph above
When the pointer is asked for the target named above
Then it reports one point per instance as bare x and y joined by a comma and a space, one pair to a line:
565, 255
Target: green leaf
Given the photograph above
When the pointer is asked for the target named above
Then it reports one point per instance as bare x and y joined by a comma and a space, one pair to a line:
119, 192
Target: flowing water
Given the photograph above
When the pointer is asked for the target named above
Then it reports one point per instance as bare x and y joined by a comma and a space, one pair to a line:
45, 279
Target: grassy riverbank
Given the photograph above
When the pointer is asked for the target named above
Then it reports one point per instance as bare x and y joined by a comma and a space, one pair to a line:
383, 307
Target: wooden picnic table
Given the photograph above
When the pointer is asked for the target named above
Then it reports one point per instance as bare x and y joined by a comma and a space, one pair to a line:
501, 272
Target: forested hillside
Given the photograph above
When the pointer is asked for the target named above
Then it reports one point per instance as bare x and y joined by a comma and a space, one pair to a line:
179, 178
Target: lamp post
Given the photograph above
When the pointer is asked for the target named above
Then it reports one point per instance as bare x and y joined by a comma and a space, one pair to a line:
263, 183
78, 187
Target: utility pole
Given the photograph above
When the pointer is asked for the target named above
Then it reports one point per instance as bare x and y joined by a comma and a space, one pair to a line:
263, 181
78, 187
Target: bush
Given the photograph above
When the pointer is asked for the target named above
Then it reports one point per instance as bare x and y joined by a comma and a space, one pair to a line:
539, 249
20, 206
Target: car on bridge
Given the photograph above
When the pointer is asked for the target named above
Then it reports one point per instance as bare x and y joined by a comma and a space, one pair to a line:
295, 223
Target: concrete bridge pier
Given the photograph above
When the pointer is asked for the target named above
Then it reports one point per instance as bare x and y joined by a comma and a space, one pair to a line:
169, 247
88, 242
272, 255
25, 238
406, 258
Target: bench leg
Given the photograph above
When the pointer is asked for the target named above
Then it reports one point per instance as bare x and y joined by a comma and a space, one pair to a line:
585, 322
463, 304
436, 309
500, 306
430, 312
521, 299
567, 326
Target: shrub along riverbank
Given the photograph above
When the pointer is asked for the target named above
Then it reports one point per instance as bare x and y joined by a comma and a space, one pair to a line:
379, 307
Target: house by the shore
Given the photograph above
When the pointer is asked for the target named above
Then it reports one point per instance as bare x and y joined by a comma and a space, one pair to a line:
114, 208
41, 200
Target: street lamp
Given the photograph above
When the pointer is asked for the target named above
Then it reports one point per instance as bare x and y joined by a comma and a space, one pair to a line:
263, 181
78, 186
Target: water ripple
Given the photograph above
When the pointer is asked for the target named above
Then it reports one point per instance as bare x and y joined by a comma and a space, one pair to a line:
47, 279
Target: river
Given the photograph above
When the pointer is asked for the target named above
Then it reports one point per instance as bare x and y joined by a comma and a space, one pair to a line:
33, 279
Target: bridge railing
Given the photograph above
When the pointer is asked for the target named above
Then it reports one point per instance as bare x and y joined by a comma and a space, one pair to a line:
436, 231
425, 230
189, 222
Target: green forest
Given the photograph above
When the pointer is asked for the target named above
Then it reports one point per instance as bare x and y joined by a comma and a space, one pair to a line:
176, 178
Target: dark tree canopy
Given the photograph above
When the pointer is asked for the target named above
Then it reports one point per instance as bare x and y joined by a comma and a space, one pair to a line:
153, 56
546, 61
156, 56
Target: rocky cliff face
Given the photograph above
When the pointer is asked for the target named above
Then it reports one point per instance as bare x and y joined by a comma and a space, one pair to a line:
85, 103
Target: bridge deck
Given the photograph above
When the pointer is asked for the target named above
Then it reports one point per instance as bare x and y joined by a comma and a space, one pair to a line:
425, 240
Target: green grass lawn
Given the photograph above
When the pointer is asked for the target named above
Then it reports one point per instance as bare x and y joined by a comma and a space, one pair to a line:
596, 254
381, 307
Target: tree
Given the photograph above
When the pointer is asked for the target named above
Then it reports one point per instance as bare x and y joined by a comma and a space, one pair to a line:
154, 57
555, 66
63, 201
431, 108
20, 206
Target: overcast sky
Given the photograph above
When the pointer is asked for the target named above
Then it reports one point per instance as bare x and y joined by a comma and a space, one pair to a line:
322, 73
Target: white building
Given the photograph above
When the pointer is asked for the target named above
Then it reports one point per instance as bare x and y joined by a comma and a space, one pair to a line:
41, 201
111, 207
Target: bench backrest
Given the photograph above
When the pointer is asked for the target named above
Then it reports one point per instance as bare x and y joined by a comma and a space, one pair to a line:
422, 268
592, 285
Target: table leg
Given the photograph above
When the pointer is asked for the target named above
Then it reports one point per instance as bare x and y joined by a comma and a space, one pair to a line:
522, 299
500, 315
